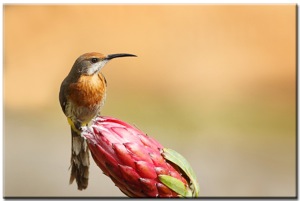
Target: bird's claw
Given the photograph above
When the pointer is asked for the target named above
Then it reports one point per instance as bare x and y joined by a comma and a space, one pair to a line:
84, 130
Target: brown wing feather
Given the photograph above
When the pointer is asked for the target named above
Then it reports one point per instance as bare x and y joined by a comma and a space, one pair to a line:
63, 96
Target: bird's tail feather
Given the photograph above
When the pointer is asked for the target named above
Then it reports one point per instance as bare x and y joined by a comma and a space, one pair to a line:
79, 161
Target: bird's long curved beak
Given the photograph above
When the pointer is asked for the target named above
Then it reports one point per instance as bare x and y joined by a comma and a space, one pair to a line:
112, 56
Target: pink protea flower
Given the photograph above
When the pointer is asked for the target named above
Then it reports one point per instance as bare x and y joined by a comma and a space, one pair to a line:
137, 164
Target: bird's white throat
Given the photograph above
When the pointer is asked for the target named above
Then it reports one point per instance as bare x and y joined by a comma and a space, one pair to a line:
96, 67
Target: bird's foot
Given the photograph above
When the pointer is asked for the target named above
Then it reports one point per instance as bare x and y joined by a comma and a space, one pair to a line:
85, 130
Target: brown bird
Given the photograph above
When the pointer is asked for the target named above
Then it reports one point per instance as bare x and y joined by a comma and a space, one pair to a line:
82, 94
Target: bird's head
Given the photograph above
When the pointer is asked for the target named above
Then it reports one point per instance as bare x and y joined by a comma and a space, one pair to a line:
91, 63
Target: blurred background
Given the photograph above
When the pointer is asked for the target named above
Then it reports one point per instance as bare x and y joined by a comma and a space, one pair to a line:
214, 82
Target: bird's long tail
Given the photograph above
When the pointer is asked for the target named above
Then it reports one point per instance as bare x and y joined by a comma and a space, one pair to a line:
80, 162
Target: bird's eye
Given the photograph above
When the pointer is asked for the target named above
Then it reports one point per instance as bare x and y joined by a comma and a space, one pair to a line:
94, 60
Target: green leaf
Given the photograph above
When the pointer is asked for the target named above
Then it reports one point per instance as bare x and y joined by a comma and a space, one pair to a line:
176, 185
184, 165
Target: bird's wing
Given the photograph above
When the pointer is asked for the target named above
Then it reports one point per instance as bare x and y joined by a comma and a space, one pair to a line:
63, 96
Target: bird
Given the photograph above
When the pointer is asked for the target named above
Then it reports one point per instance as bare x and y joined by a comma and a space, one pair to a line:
82, 95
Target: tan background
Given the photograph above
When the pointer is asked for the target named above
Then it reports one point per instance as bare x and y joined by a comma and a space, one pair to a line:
214, 82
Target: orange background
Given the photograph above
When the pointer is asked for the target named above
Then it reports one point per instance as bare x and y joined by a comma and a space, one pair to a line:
214, 82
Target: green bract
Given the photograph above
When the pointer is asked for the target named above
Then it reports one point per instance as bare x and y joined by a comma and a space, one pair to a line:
175, 184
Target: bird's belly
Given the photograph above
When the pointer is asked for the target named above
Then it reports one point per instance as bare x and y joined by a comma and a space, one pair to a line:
86, 98
82, 114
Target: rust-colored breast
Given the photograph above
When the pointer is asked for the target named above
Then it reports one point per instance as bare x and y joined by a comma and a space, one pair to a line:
88, 91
